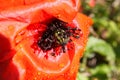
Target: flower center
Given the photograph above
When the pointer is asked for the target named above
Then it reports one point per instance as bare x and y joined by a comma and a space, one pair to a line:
58, 33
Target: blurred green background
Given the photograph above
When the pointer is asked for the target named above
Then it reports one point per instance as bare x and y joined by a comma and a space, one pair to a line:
101, 60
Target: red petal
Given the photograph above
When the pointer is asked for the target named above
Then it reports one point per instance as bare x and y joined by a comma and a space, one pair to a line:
38, 10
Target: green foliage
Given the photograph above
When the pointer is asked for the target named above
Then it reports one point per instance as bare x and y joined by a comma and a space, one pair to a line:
100, 47
101, 60
81, 77
101, 72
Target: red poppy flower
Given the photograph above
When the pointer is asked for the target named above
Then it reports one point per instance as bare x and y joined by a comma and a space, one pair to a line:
42, 39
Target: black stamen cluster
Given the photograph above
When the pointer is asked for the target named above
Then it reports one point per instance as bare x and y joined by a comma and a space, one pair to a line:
57, 34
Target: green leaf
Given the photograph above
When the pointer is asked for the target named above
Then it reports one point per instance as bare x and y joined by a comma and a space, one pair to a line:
103, 69
81, 76
101, 47
101, 72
